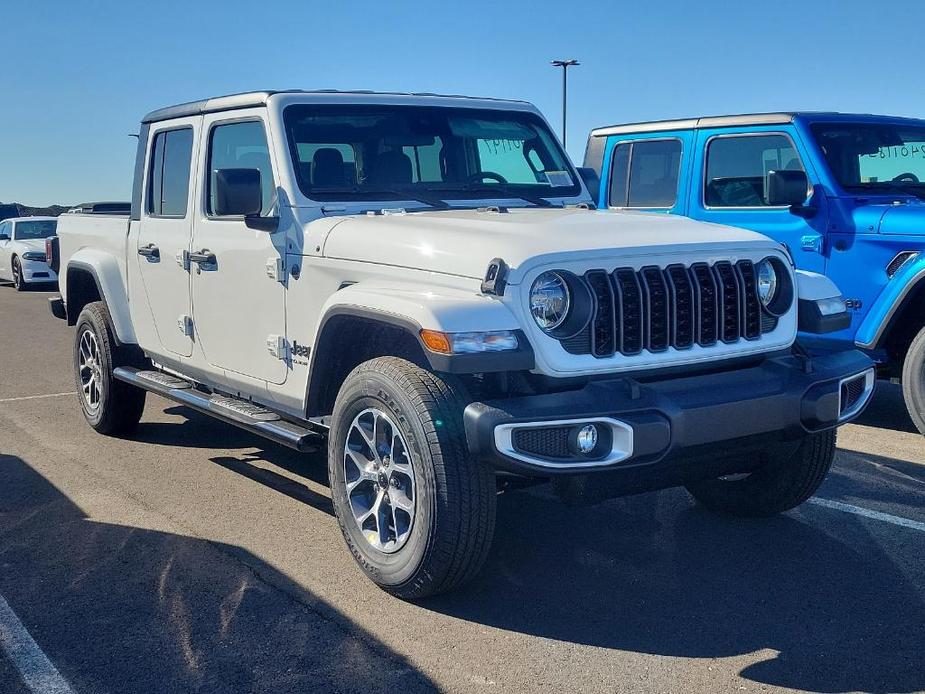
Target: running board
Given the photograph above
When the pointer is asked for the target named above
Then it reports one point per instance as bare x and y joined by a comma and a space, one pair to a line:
241, 413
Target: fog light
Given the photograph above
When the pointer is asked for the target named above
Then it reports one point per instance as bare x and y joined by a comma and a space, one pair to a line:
587, 439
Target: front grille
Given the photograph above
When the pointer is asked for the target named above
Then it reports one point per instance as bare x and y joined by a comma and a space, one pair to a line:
656, 308
551, 442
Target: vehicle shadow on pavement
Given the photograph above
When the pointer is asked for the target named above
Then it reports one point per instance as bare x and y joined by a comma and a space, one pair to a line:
201, 431
887, 410
638, 575
127, 609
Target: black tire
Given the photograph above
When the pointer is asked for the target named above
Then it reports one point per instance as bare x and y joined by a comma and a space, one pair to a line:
18, 282
914, 381
790, 475
455, 496
119, 405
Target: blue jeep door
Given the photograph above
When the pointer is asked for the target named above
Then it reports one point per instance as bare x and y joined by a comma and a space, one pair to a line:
728, 187
647, 172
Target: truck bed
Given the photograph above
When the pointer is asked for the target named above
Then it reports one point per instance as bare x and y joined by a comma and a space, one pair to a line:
91, 235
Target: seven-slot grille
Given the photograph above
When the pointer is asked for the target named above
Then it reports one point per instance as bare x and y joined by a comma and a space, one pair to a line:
678, 306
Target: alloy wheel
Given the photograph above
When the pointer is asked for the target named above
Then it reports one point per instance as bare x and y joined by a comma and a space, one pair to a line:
379, 480
91, 373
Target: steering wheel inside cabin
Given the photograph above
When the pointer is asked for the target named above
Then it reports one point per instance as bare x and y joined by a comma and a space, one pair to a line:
907, 177
480, 176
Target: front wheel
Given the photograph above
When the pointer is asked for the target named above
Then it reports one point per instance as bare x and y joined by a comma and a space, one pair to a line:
790, 475
18, 282
417, 512
110, 406
914, 381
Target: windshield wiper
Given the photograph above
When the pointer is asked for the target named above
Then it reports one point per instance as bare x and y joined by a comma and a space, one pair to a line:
916, 190
400, 194
504, 191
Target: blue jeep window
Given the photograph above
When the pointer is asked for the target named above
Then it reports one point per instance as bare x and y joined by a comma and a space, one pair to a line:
737, 166
871, 157
645, 174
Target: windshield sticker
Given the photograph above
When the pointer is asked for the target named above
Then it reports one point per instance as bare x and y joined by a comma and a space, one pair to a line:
559, 179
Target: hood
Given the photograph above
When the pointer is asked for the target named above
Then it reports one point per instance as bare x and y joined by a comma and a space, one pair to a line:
907, 219
463, 242
32, 244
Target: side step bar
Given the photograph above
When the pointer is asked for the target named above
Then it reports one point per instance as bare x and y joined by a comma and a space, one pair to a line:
241, 413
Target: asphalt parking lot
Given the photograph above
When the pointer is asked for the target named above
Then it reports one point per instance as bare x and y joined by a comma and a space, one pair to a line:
197, 558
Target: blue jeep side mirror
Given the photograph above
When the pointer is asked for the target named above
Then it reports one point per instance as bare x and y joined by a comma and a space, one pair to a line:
786, 188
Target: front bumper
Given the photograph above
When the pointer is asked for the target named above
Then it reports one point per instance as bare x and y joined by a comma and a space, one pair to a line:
654, 426
37, 271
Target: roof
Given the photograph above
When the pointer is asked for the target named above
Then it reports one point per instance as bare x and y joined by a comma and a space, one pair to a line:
37, 218
259, 98
745, 119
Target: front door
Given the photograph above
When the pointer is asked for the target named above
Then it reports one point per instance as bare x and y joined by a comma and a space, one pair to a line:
731, 169
238, 293
164, 235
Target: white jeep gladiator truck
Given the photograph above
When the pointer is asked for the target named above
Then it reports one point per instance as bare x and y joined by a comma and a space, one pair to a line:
422, 283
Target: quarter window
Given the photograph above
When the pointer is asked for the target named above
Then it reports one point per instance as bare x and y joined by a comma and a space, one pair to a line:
737, 168
241, 146
169, 175
645, 174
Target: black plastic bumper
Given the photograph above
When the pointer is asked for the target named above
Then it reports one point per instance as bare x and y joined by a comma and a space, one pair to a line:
704, 416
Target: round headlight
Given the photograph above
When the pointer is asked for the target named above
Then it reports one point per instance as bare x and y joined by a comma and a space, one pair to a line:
767, 281
549, 300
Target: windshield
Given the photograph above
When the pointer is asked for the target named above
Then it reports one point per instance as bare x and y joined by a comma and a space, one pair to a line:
874, 157
39, 229
425, 153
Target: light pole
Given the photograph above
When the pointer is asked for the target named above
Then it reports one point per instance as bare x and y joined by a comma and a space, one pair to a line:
565, 65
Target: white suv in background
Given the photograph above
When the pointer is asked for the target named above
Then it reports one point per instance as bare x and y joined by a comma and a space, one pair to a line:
22, 250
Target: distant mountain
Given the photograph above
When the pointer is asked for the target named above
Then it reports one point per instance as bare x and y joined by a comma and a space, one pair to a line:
15, 209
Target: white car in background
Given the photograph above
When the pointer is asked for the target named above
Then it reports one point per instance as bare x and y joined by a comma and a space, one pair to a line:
22, 250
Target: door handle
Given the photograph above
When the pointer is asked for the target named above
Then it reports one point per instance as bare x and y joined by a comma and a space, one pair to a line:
151, 252
203, 257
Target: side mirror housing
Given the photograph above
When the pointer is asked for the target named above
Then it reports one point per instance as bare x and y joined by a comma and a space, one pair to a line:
4, 237
786, 188
238, 192
592, 182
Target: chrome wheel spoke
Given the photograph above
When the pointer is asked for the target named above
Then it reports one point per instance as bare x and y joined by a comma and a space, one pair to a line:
379, 480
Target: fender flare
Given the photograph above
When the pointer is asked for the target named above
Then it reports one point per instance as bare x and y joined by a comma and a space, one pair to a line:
888, 304
104, 269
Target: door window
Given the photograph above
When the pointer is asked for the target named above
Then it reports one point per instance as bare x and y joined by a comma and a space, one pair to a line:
241, 146
169, 174
737, 167
645, 174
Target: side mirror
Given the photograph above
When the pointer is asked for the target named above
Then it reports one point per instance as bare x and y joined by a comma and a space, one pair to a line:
4, 237
238, 192
786, 188
591, 180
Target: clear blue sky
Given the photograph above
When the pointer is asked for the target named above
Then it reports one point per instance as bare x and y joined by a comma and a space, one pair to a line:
76, 76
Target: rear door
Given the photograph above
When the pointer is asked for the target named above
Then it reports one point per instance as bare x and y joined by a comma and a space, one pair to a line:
729, 175
164, 237
239, 296
648, 172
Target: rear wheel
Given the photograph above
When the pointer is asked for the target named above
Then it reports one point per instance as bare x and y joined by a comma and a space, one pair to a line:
110, 406
914, 381
417, 512
791, 474
18, 280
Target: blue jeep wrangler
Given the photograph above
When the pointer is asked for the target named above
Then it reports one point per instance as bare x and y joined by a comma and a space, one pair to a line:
844, 193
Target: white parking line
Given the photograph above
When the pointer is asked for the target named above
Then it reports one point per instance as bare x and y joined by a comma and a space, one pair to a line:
36, 670
38, 397
867, 513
